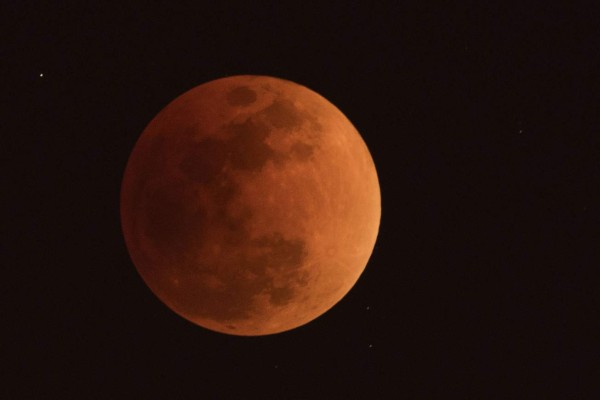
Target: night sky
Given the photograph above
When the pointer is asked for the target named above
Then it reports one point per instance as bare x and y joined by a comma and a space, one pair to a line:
483, 124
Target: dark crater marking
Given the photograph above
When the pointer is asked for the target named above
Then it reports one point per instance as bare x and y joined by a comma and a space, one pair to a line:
277, 258
302, 151
283, 114
247, 148
241, 96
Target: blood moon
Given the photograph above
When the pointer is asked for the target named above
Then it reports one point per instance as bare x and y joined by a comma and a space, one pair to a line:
250, 205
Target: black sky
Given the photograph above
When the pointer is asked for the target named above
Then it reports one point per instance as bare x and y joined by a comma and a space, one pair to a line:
482, 120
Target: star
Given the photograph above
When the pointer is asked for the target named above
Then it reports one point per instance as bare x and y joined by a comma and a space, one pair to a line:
41, 75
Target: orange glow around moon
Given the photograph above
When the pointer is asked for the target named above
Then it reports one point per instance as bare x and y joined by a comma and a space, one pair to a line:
250, 205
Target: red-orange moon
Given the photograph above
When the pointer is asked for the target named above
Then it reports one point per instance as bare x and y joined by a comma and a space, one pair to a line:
250, 205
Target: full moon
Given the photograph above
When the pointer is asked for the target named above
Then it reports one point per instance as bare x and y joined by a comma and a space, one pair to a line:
250, 205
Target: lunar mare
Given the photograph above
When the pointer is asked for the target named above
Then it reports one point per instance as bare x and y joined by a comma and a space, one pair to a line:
250, 205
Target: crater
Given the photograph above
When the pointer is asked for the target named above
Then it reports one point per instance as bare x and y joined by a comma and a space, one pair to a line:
279, 253
302, 151
247, 148
279, 261
241, 96
283, 114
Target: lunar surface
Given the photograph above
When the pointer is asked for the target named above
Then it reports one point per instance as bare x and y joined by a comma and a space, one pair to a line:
250, 205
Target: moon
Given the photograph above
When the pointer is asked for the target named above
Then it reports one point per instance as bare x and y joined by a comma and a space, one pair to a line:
250, 205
